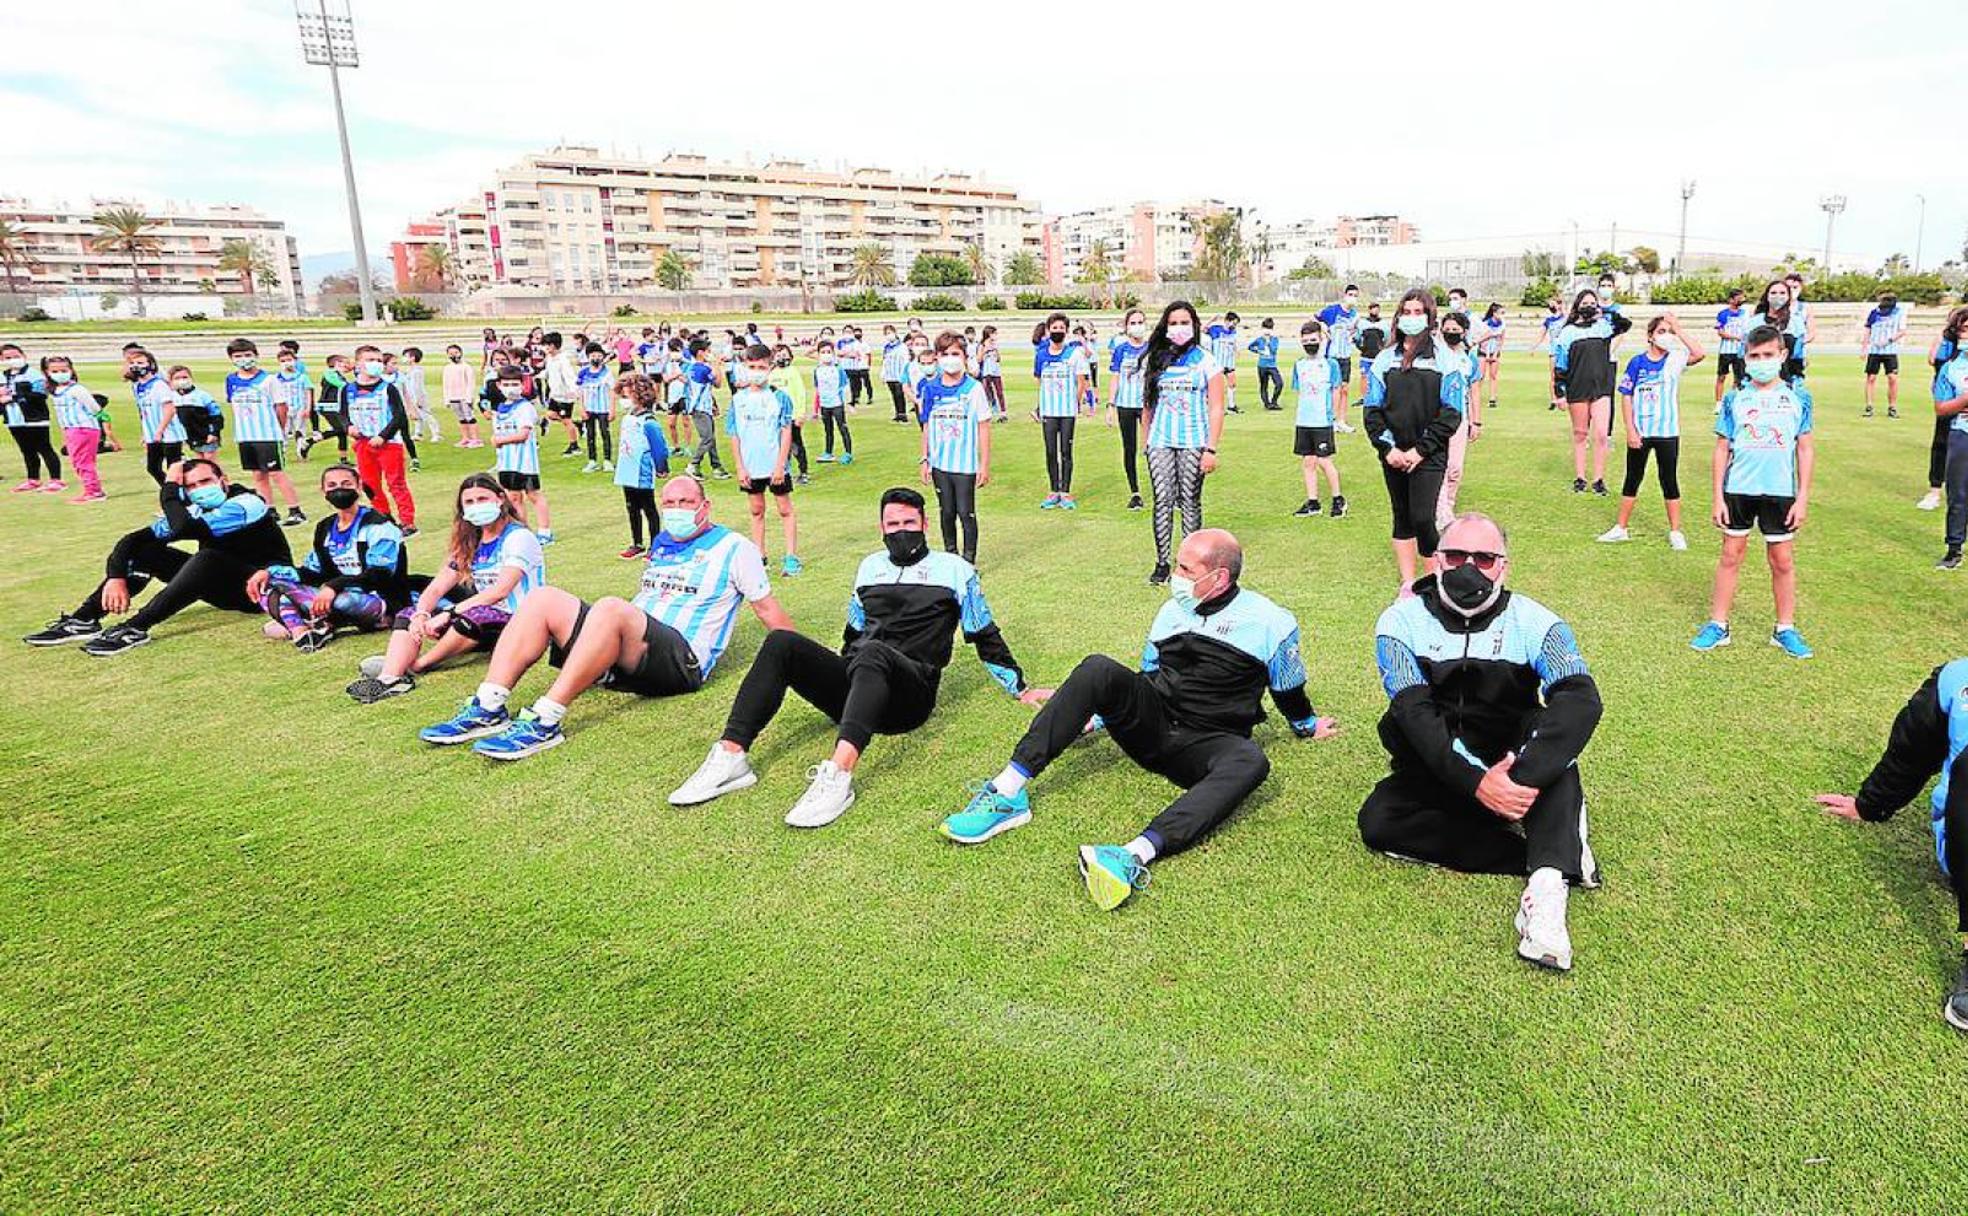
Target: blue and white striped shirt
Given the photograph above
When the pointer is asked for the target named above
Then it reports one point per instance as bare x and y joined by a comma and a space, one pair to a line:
513, 418
895, 359
517, 547
254, 419
1884, 331
696, 585
596, 386
1342, 327
154, 396
953, 415
1730, 329
1059, 378
74, 407
1655, 387
368, 410
1125, 365
699, 384
1223, 346
1182, 412
829, 385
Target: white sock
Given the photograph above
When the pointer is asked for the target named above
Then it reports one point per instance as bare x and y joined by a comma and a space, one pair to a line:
1144, 852
1010, 781
491, 696
1547, 876
549, 711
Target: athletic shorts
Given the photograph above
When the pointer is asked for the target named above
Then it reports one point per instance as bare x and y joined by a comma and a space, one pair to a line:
1312, 441
463, 411
1730, 365
1890, 364
624, 368
1345, 368
765, 485
261, 456
518, 482
676, 408
669, 666
1765, 512
560, 409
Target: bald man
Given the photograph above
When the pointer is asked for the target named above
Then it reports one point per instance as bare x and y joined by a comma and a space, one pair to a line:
1212, 652
663, 641
1489, 706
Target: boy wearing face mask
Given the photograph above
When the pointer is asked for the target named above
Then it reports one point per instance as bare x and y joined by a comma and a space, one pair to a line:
786, 380
1060, 367
1124, 402
460, 386
328, 418
760, 423
516, 449
164, 434
596, 385
200, 412
1342, 325
1764, 457
1222, 336
296, 396
830, 398
1885, 326
1270, 383
956, 443
259, 427
895, 370
1318, 379
377, 423
1371, 335
700, 386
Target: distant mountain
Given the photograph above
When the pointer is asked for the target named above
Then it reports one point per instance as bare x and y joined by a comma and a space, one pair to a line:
315, 267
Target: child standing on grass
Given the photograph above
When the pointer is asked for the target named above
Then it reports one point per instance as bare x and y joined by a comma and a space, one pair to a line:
956, 444
1318, 381
516, 448
198, 410
296, 395
328, 418
1650, 402
787, 381
164, 434
80, 418
700, 397
416, 394
642, 457
830, 397
595, 384
761, 428
460, 387
258, 427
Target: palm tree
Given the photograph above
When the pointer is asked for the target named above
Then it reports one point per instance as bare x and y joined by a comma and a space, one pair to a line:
126, 230
977, 263
267, 278
1096, 270
1023, 270
14, 256
436, 265
672, 272
869, 267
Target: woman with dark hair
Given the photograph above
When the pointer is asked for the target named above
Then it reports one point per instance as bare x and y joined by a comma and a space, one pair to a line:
1489, 346
990, 371
1061, 368
1124, 399
1582, 359
1182, 404
1413, 406
1946, 346
1779, 308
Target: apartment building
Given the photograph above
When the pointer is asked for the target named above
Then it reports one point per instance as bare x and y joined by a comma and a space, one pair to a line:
1148, 242
57, 257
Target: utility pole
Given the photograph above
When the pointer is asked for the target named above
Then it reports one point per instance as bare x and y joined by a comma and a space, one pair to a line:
1920, 233
1832, 204
328, 40
1681, 249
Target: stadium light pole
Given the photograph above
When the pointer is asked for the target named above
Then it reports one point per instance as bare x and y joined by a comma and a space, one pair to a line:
1920, 233
328, 40
1832, 204
1681, 249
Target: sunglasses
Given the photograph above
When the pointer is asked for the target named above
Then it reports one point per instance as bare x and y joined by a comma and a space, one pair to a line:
1486, 562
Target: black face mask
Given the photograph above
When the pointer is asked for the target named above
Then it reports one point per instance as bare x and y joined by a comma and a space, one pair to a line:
1589, 313
138, 371
342, 497
1056, 339
1466, 590
907, 547
1452, 337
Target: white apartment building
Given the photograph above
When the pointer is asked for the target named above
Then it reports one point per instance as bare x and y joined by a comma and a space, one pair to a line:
1147, 242
60, 264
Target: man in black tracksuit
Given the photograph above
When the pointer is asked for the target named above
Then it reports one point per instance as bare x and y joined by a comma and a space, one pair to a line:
236, 534
907, 602
1213, 652
1490, 704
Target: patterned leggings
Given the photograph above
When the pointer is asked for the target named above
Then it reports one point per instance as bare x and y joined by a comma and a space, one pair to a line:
291, 603
1175, 478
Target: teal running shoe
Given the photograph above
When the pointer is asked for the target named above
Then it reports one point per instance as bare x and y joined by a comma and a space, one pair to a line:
847, 458
791, 566
526, 736
1791, 643
474, 721
1711, 636
1111, 873
987, 814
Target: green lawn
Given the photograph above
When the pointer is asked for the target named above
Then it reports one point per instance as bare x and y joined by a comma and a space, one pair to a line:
261, 950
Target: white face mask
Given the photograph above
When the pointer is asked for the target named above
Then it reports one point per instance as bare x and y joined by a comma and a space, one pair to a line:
1183, 591
950, 365
1138, 330
751, 377
1182, 333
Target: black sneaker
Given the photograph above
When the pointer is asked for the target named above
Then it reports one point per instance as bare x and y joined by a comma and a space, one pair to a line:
1339, 507
369, 690
572, 449
115, 641
1310, 509
1892, 411
1599, 488
294, 518
1158, 577
410, 531
1955, 1009
1578, 485
63, 630
1868, 412
317, 637
1949, 561
302, 445
416, 466
1134, 502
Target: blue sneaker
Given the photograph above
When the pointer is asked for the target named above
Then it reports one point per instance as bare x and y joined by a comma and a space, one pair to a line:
1111, 873
1791, 643
1051, 503
987, 814
526, 736
1711, 636
474, 721
825, 458
791, 566
1068, 503
546, 536
847, 458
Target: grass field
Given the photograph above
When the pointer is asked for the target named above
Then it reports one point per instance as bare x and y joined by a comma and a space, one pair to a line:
261, 950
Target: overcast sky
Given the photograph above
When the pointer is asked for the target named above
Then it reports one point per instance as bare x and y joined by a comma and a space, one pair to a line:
1473, 120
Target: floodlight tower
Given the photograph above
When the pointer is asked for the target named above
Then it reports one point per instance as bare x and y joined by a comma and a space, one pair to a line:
1681, 250
1832, 204
328, 40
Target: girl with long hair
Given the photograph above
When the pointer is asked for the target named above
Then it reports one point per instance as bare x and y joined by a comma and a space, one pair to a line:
1415, 395
1125, 394
1582, 358
1182, 406
1489, 348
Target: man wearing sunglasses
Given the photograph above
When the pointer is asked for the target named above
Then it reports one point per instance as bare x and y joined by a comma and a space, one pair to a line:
1490, 704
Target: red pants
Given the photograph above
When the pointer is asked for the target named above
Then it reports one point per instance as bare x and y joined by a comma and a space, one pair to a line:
381, 471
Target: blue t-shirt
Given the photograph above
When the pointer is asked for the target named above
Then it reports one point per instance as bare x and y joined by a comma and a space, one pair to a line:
1182, 412
641, 454
953, 416
1655, 387
1059, 376
1125, 364
759, 419
1342, 328
1763, 424
1315, 378
1730, 329
1266, 347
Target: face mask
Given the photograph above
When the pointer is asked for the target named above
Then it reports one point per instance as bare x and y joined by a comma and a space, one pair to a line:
950, 365
1137, 331
182, 386
680, 521
827, 356
242, 362
373, 369
1888, 305
1056, 339
751, 377
1311, 346
479, 514
207, 496
1763, 371
138, 371
1452, 336
1589, 312
13, 363
1181, 334
342, 497
457, 358
1466, 591
1352, 300
1183, 591
597, 360
511, 391
907, 547
61, 377
1412, 323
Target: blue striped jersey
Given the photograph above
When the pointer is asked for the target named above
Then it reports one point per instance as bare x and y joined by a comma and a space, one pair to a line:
1059, 378
759, 419
1315, 379
1490, 345
1884, 331
1951, 381
1182, 411
291, 391
1800, 321
1730, 326
595, 387
252, 401
895, 359
370, 529
853, 353
673, 389
700, 391
641, 454
1342, 330
1655, 387
514, 547
990, 360
1266, 348
368, 410
917, 373
953, 415
1223, 346
1763, 424
154, 395
1125, 365
513, 418
74, 407
653, 358
1551, 326
696, 585
829, 385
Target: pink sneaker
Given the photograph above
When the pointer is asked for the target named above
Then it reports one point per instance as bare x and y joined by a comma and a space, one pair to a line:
98, 496
27, 487
53, 487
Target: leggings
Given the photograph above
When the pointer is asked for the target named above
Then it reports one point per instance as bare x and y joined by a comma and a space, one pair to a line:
1130, 424
597, 424
901, 400
292, 604
330, 422
212, 575
1215, 769
641, 502
37, 450
1937, 453
799, 448
1270, 387
1414, 497
1957, 488
994, 393
832, 416
1415, 816
858, 383
1059, 452
1667, 459
161, 456
874, 690
707, 444
1175, 477
956, 501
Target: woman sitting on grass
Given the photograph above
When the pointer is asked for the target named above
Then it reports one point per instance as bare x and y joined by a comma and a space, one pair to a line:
498, 556
355, 575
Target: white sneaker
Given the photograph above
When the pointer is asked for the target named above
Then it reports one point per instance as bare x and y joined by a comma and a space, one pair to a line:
826, 800
723, 772
1677, 542
372, 666
1541, 934
590, 467
1931, 502
1614, 535
1343, 429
